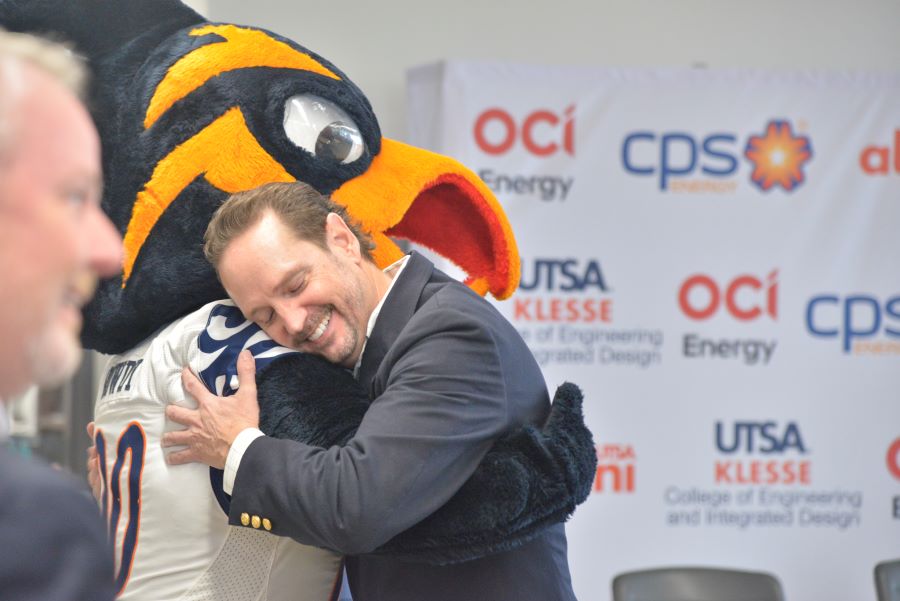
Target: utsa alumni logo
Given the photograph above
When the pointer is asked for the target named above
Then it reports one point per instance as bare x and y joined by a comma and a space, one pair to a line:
227, 333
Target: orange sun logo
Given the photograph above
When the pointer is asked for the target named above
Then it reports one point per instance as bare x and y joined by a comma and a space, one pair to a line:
778, 157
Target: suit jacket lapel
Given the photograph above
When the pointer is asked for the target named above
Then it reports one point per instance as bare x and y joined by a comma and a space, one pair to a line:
397, 310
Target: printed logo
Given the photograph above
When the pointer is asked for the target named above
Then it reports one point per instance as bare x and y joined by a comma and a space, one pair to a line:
564, 310
615, 469
864, 324
778, 157
563, 275
893, 459
878, 160
542, 133
742, 289
768, 439
893, 465
744, 298
762, 481
684, 162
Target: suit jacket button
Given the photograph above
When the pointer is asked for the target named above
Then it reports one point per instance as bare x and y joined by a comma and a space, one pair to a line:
245, 519
254, 521
267, 524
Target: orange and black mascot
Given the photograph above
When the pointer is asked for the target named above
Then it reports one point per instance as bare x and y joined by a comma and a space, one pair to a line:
189, 112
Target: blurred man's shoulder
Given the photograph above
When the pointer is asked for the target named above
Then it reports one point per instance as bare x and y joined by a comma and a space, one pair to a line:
34, 484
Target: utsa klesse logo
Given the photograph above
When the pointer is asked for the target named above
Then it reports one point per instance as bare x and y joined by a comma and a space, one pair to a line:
542, 133
684, 162
561, 279
615, 469
881, 160
769, 439
865, 324
743, 298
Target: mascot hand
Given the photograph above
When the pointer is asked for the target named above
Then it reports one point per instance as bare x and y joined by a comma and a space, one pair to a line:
529, 480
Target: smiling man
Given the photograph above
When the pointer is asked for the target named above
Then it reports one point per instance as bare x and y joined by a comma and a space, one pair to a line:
313, 291
446, 373
54, 243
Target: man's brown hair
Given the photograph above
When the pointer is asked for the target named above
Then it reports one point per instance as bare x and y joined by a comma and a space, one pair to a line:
299, 206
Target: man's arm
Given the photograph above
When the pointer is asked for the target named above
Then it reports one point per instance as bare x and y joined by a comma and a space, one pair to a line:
443, 406
217, 421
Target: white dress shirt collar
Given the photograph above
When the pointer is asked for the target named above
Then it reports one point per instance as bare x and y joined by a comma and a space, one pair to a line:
393, 270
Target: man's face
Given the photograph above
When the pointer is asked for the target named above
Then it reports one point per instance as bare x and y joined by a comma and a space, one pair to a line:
54, 240
303, 296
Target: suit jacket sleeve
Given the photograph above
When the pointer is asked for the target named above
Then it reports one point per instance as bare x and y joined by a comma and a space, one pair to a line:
54, 544
443, 404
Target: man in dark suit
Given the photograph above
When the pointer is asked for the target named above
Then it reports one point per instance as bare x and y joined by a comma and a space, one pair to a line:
54, 242
447, 375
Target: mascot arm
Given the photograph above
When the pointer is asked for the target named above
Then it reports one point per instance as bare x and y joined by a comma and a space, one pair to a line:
531, 478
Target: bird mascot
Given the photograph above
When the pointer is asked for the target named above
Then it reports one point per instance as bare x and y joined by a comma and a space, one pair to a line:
189, 112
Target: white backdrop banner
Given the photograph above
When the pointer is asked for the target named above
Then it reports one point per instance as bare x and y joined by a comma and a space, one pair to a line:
714, 257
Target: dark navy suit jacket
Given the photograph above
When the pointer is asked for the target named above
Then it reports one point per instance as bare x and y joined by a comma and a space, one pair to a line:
447, 375
53, 544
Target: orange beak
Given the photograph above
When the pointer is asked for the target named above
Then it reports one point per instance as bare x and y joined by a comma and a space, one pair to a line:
434, 201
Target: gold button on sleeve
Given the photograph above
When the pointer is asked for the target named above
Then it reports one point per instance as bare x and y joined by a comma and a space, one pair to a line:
267, 524
245, 519
254, 521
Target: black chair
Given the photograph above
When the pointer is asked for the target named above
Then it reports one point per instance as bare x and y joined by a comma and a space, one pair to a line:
887, 580
696, 584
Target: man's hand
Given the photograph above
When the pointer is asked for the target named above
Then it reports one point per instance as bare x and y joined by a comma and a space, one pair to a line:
213, 426
93, 464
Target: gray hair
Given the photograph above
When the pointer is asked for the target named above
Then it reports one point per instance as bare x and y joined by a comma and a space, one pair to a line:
19, 51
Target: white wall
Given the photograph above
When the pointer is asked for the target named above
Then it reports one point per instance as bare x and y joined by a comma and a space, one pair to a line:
375, 42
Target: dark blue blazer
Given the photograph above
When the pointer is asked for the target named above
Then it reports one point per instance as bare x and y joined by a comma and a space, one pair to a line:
447, 375
53, 544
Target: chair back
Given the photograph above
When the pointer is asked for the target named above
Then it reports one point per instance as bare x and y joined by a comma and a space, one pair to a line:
696, 584
887, 580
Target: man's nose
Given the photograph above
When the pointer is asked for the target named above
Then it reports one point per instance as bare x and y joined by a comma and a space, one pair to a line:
293, 318
104, 244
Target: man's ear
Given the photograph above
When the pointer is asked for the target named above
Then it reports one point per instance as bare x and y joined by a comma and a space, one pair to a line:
340, 237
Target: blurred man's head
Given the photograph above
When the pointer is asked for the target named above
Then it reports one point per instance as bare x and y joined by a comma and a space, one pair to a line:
54, 240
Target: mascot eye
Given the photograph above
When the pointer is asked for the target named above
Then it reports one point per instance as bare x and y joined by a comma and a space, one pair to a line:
322, 128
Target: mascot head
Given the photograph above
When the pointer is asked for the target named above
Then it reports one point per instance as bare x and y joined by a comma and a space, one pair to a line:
191, 111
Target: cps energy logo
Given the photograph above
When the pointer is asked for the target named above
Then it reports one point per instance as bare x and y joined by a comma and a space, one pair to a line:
778, 157
691, 163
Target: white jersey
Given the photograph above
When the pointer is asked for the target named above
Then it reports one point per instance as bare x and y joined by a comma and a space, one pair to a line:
171, 535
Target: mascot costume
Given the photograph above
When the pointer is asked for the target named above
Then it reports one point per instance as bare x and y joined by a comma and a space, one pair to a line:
189, 112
